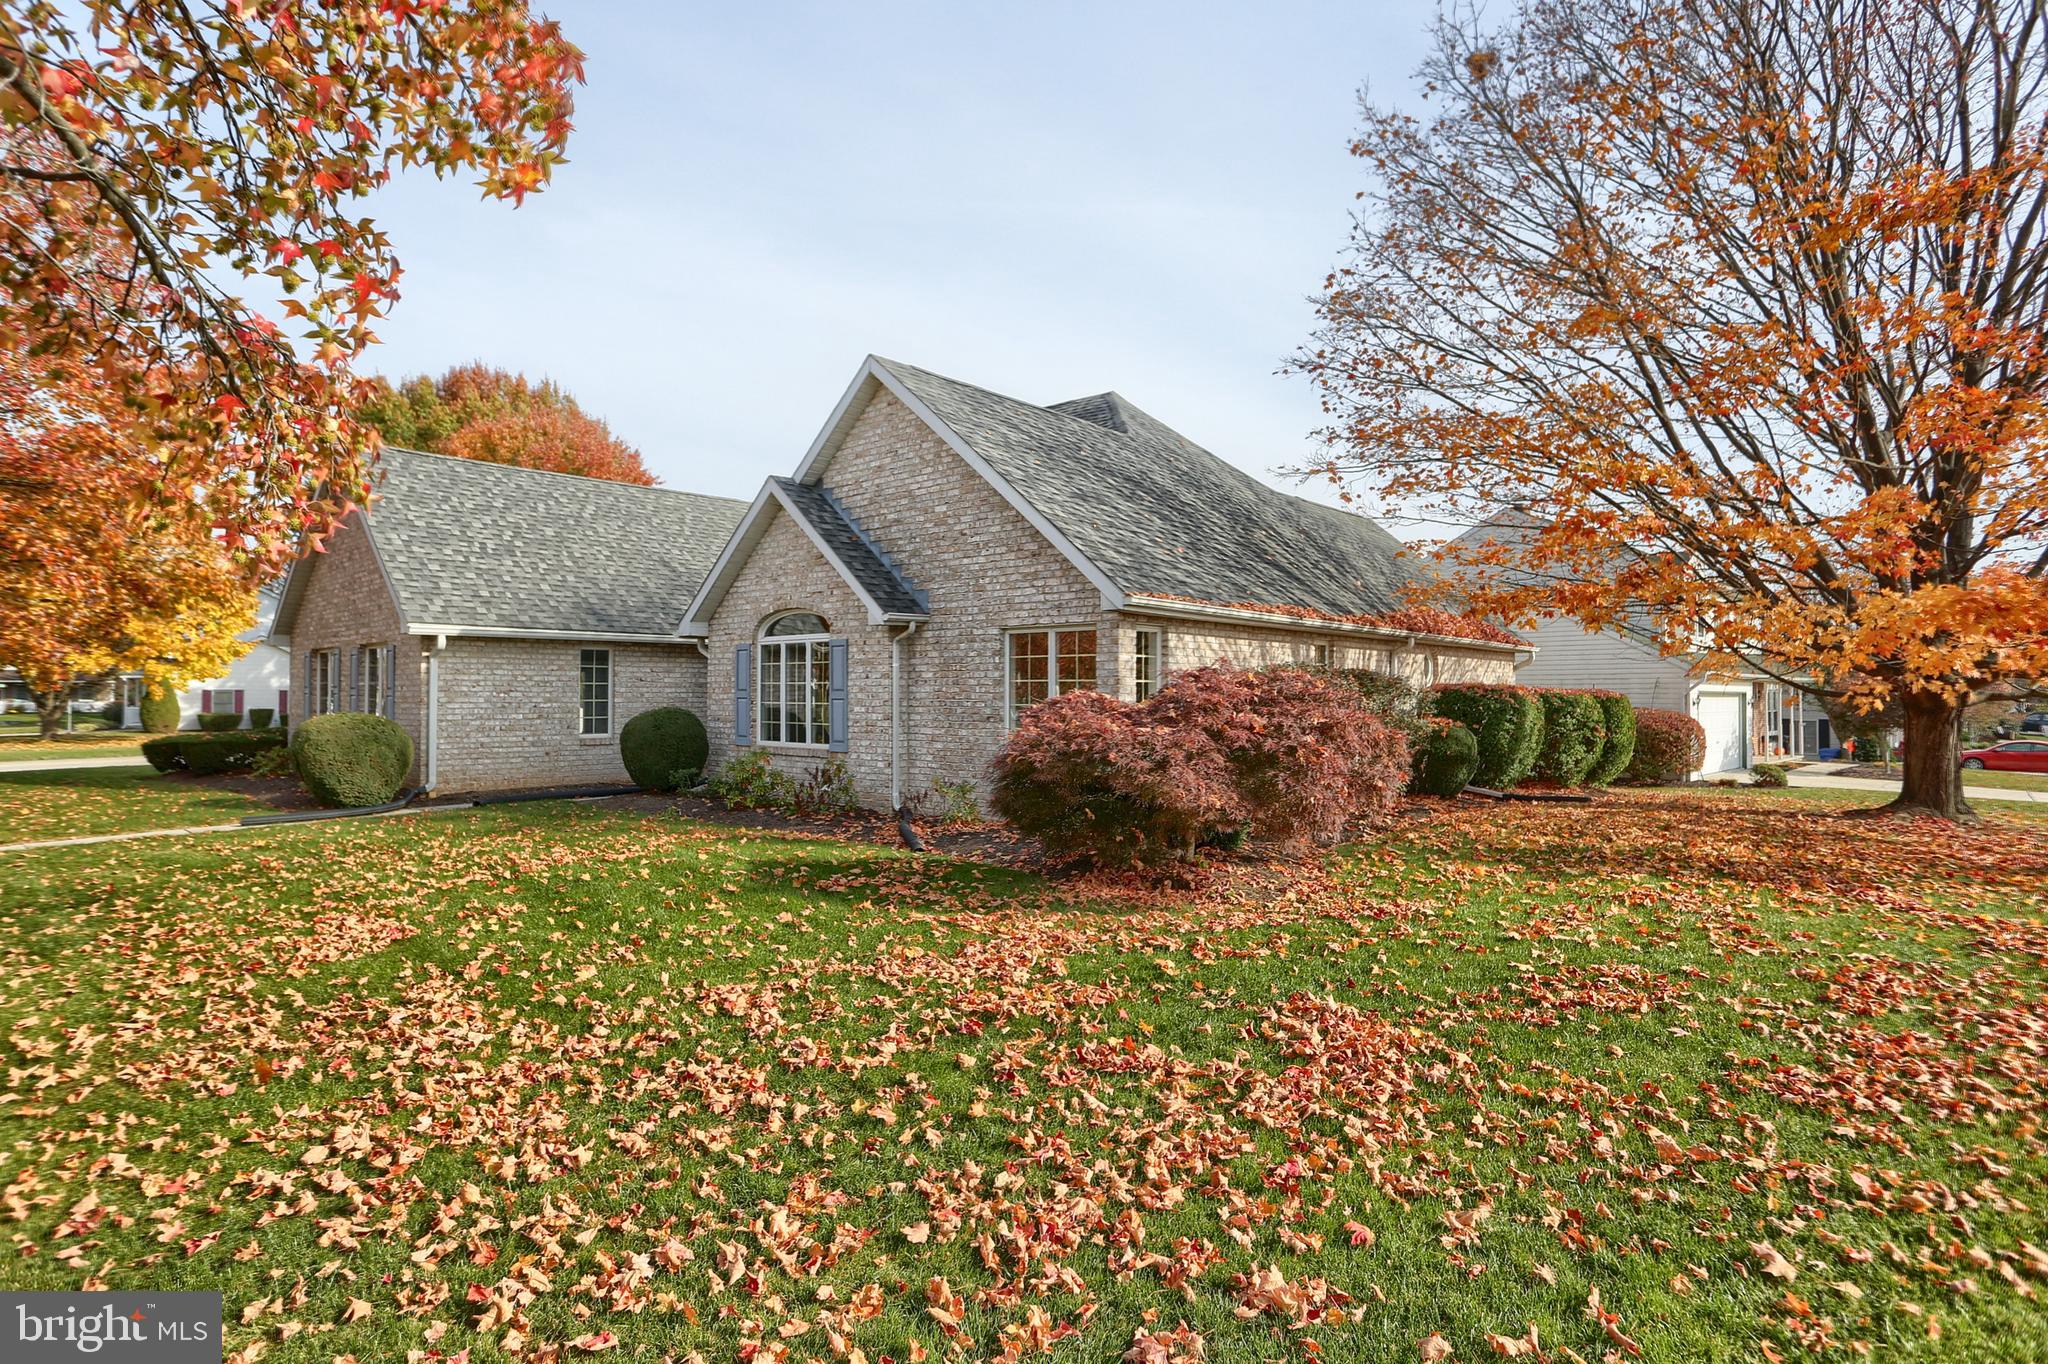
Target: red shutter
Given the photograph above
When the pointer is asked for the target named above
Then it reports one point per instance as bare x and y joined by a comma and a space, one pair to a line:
238, 700
284, 702
206, 700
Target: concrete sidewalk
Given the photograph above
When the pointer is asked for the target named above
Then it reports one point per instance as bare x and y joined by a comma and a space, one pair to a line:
66, 764
1823, 775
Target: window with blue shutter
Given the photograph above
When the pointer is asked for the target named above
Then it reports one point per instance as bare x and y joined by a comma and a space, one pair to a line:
743, 694
836, 697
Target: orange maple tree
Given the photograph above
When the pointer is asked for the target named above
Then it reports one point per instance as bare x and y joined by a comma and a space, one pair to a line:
1736, 311
149, 154
101, 576
484, 413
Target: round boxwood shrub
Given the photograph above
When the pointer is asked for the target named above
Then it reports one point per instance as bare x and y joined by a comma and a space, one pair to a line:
1573, 735
1508, 723
349, 760
1619, 714
260, 717
220, 722
1444, 759
160, 713
664, 748
1668, 746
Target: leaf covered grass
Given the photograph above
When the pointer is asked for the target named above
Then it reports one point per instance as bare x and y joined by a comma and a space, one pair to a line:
31, 747
75, 803
1673, 1076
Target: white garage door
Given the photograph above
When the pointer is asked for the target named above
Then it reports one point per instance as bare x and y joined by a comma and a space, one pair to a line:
1721, 715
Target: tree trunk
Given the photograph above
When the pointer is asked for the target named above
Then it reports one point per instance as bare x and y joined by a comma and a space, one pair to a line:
50, 711
1933, 782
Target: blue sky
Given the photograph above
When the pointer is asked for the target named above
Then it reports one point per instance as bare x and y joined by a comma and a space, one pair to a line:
1048, 200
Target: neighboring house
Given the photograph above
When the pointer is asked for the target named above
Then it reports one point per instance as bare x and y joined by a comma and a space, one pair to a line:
259, 680
942, 558
1747, 715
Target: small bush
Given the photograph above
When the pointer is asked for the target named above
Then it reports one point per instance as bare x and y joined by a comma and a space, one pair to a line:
219, 722
1770, 774
1306, 755
1573, 735
1508, 723
948, 802
751, 782
274, 762
1088, 776
1444, 760
162, 753
1619, 714
350, 760
664, 749
160, 714
827, 789
1668, 746
261, 716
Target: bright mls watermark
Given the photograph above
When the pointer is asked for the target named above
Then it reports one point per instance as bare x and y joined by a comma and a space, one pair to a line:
120, 1328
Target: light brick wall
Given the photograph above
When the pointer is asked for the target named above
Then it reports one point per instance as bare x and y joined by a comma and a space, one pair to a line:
985, 568
509, 709
347, 603
1193, 644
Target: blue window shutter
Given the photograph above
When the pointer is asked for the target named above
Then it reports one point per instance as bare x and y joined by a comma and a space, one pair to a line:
355, 678
390, 682
836, 698
743, 694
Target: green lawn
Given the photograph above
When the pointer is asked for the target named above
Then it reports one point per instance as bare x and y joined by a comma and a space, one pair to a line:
110, 800
28, 747
1709, 1076
2007, 781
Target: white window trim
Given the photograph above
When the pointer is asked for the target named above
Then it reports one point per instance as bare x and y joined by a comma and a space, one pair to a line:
611, 689
1158, 680
374, 681
1052, 656
325, 665
762, 641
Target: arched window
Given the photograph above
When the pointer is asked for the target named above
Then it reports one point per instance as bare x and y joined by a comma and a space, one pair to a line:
795, 681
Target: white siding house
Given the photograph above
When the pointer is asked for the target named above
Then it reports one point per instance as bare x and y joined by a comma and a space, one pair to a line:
259, 680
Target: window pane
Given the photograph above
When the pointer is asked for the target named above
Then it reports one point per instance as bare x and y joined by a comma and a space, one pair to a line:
821, 692
1028, 663
596, 697
771, 693
1145, 664
800, 623
1076, 661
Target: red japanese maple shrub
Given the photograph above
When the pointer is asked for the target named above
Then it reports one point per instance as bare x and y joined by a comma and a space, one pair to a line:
1668, 745
1307, 755
1091, 776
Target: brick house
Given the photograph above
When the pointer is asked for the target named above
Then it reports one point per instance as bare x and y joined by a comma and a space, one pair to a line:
942, 557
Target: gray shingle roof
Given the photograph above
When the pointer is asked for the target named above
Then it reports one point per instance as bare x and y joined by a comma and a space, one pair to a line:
866, 561
1162, 516
490, 546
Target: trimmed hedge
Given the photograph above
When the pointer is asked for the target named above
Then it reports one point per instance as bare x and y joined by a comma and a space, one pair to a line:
1444, 759
160, 714
219, 722
1668, 746
1508, 723
260, 717
209, 755
1620, 715
1573, 735
349, 760
664, 748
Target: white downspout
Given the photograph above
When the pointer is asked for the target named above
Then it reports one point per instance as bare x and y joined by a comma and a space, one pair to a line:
896, 714
434, 711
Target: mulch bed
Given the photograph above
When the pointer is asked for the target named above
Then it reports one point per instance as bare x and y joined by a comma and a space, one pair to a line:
279, 793
1877, 770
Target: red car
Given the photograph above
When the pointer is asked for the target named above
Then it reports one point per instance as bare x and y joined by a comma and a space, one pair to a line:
2014, 755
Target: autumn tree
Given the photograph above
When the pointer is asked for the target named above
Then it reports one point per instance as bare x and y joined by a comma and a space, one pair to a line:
479, 412
101, 576
151, 154
1754, 288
